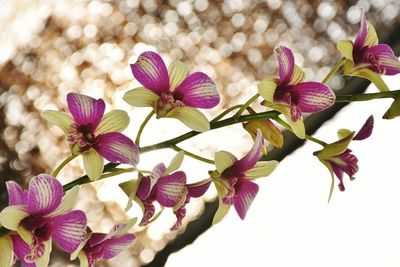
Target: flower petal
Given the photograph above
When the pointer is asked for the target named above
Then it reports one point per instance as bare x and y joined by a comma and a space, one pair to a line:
175, 163
314, 96
113, 247
93, 164
261, 169
334, 149
198, 91
198, 189
286, 64
141, 97
113, 121
61, 119
117, 148
86, 110
222, 208
44, 260
191, 117
384, 61
244, 196
266, 89
224, 160
298, 75
169, 189
393, 111
83, 260
148, 182
366, 129
345, 47
148, 211
78, 250
16, 196
21, 249
297, 127
151, 72
44, 194
70, 230
251, 158
345, 162
6, 251
329, 166
373, 77
177, 73
269, 131
366, 35
67, 202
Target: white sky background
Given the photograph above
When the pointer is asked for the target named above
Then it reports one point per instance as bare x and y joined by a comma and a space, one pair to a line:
290, 222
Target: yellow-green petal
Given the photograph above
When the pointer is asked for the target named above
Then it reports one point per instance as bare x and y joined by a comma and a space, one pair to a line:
298, 75
6, 251
222, 208
141, 97
223, 160
261, 169
332, 186
84, 262
177, 73
191, 117
45, 259
394, 110
78, 250
343, 133
11, 216
373, 77
25, 235
93, 164
372, 37
176, 162
266, 89
129, 224
345, 47
336, 148
113, 121
61, 119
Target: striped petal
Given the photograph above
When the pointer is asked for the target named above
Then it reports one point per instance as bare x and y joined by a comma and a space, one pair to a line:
61, 119
366, 129
169, 189
141, 97
314, 96
267, 88
286, 64
68, 201
344, 163
21, 250
6, 251
373, 77
224, 160
114, 246
44, 194
113, 121
117, 148
244, 196
251, 158
93, 164
261, 169
298, 75
191, 117
198, 189
269, 131
151, 72
366, 35
70, 230
384, 61
16, 196
86, 110
345, 47
45, 259
177, 73
176, 163
198, 91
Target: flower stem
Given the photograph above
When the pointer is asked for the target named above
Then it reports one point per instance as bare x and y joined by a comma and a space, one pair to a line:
116, 171
192, 155
333, 70
366, 97
144, 123
62, 165
245, 105
220, 116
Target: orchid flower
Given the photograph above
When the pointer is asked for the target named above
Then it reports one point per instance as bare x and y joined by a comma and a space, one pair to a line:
268, 129
366, 58
172, 93
93, 135
162, 185
338, 158
234, 179
194, 190
40, 214
291, 96
99, 246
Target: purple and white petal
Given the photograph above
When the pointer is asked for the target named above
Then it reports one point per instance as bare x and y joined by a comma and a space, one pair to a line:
339, 174
198, 189
348, 163
151, 72
197, 90
362, 33
44, 194
148, 212
117, 148
169, 189
145, 187
112, 247
16, 195
86, 111
286, 64
245, 193
366, 129
21, 250
383, 60
313, 96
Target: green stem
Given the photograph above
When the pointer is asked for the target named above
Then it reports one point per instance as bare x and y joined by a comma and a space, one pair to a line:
62, 165
245, 105
192, 155
116, 171
213, 125
220, 116
366, 97
333, 70
144, 123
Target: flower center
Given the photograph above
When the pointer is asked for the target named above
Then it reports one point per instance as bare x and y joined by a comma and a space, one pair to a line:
81, 137
167, 102
39, 226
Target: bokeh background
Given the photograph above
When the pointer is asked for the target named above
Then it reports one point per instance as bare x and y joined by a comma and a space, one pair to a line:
50, 48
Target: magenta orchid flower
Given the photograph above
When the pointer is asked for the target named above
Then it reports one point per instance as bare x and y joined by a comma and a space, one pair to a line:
366, 58
194, 190
291, 96
39, 215
172, 93
338, 158
234, 178
99, 246
93, 135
